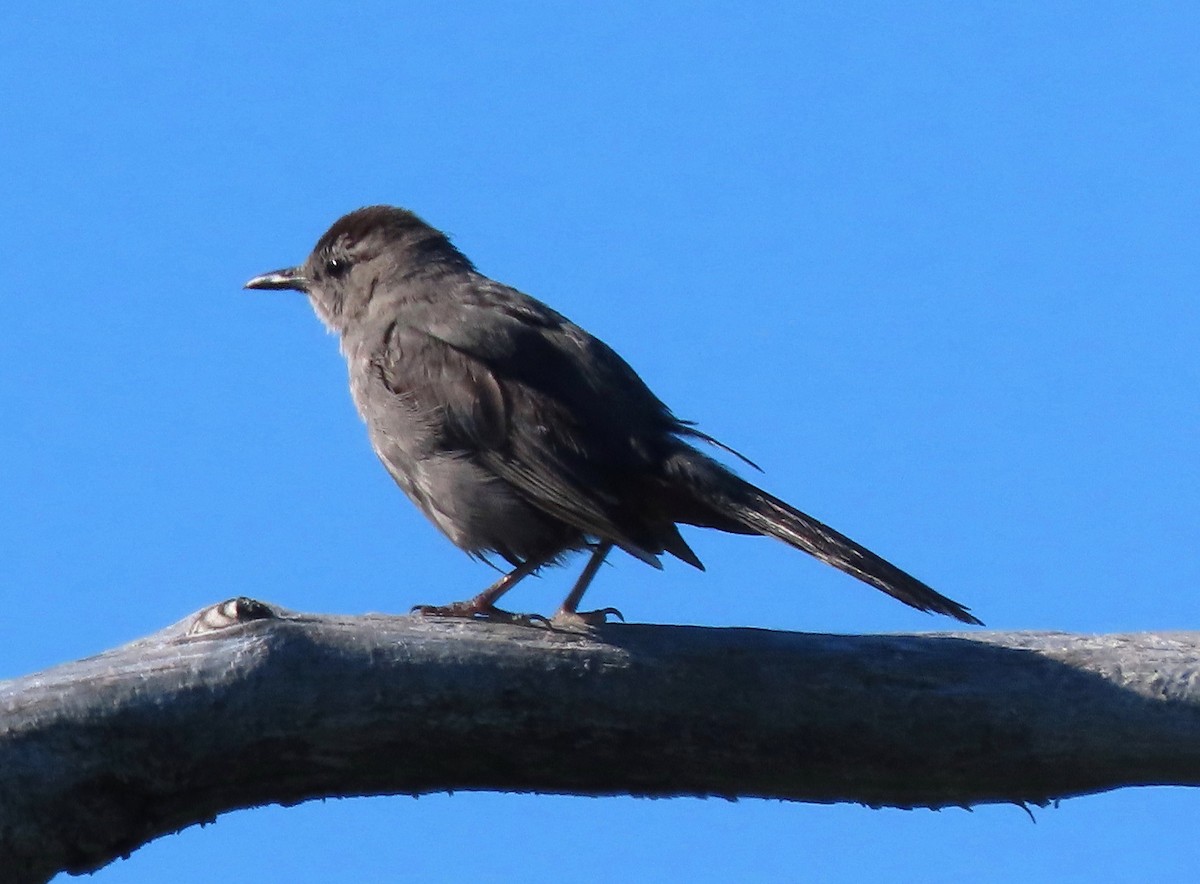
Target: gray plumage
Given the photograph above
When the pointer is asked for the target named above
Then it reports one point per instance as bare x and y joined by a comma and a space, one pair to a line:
519, 434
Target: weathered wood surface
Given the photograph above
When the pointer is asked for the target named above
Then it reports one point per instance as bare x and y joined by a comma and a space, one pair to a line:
246, 704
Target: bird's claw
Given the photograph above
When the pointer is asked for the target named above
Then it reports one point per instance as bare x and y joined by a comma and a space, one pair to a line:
578, 619
471, 610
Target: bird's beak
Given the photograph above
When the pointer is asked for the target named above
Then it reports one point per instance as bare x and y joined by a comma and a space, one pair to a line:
291, 278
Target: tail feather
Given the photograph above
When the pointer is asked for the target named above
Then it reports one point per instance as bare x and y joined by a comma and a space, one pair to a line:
773, 517
758, 512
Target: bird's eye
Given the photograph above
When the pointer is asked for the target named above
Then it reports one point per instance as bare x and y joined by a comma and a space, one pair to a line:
336, 266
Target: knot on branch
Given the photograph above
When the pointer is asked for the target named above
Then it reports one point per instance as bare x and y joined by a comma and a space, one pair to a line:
228, 613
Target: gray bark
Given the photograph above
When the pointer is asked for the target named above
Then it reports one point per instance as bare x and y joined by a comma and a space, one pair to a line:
246, 704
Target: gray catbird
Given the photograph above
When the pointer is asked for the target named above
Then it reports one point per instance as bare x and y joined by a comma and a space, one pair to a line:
517, 433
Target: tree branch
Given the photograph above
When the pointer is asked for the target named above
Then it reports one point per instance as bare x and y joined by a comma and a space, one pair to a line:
246, 704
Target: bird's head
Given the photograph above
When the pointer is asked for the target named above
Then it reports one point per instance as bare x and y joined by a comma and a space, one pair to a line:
364, 255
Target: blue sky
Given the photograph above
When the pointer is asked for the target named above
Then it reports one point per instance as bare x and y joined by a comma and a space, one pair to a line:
932, 265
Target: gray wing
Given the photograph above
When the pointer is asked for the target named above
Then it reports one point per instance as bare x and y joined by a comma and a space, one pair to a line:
542, 405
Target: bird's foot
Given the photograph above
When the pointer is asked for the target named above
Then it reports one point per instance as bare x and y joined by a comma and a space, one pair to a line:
564, 619
473, 610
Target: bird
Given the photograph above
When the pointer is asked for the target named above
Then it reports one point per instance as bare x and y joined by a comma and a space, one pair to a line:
522, 436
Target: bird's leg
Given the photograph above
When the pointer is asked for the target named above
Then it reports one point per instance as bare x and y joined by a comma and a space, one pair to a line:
566, 614
483, 606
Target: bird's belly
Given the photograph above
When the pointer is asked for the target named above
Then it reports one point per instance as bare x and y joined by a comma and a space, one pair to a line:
476, 510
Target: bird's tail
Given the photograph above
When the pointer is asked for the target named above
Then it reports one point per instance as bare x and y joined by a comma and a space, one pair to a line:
727, 497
